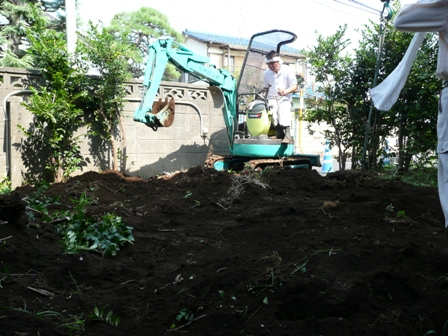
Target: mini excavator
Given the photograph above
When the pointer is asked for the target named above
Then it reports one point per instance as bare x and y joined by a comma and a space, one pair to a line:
250, 142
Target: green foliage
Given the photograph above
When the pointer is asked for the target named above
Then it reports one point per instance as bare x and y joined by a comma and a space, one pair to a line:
37, 203
80, 232
344, 104
5, 185
418, 176
139, 29
20, 15
184, 314
73, 323
401, 214
109, 318
108, 56
55, 106
332, 70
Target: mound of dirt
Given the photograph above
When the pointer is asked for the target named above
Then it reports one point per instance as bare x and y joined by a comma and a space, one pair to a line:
291, 253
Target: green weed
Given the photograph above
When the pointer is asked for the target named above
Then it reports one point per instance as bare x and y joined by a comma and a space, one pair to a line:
73, 323
109, 318
37, 203
5, 185
4, 275
184, 314
79, 232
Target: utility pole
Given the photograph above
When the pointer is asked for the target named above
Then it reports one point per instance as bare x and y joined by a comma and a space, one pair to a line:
70, 22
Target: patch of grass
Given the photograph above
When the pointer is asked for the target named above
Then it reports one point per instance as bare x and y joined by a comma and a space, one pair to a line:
420, 177
74, 323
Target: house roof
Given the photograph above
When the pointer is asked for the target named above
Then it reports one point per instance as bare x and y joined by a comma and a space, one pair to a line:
235, 42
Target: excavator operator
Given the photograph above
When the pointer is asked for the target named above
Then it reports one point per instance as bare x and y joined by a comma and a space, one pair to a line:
280, 81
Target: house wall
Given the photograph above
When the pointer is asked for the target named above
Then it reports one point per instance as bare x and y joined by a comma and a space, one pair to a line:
196, 46
198, 131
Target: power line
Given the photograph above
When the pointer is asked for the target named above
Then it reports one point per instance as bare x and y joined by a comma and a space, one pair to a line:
365, 7
348, 5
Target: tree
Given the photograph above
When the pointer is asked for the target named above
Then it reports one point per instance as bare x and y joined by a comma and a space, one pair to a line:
331, 70
19, 14
57, 115
109, 57
140, 29
359, 130
412, 120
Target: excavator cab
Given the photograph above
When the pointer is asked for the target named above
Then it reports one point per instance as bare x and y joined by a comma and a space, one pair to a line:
253, 111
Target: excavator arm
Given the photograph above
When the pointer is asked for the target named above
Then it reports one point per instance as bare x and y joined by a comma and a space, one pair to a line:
161, 114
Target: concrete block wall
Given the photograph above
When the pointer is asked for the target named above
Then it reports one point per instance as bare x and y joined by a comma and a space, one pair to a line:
148, 153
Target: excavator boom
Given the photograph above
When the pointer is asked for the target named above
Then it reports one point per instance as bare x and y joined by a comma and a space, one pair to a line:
154, 113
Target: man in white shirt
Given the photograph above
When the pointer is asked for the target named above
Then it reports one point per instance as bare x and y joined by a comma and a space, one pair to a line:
432, 16
280, 81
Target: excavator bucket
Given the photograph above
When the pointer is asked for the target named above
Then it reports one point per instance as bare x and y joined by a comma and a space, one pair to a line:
164, 111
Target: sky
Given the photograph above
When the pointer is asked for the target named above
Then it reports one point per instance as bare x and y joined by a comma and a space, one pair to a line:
243, 18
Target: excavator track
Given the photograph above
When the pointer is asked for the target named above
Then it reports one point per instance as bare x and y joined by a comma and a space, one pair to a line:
240, 163
287, 162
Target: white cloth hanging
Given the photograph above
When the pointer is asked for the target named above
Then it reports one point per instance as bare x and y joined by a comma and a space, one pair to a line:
385, 95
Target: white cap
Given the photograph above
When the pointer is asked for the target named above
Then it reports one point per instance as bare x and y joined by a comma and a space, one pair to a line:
273, 59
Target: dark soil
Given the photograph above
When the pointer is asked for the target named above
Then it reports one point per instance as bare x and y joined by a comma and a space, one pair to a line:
302, 254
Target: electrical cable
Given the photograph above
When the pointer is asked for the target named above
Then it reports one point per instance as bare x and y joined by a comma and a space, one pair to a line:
369, 10
345, 12
384, 19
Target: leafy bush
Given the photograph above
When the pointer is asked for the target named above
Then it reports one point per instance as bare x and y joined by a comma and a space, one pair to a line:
38, 202
80, 232
5, 185
104, 235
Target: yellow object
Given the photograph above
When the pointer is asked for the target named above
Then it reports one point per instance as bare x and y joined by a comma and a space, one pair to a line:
257, 119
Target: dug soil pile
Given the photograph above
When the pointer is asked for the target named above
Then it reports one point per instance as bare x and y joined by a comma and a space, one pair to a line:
215, 253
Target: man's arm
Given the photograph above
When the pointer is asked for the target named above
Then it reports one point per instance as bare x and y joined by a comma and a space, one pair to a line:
291, 81
423, 16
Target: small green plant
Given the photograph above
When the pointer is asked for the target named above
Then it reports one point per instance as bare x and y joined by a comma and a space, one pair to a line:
37, 203
330, 251
73, 323
4, 275
390, 208
78, 290
109, 318
399, 214
80, 232
184, 314
5, 185
301, 268
242, 312
402, 214
222, 294
104, 235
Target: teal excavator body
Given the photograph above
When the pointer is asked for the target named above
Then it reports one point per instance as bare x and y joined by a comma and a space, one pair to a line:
250, 142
